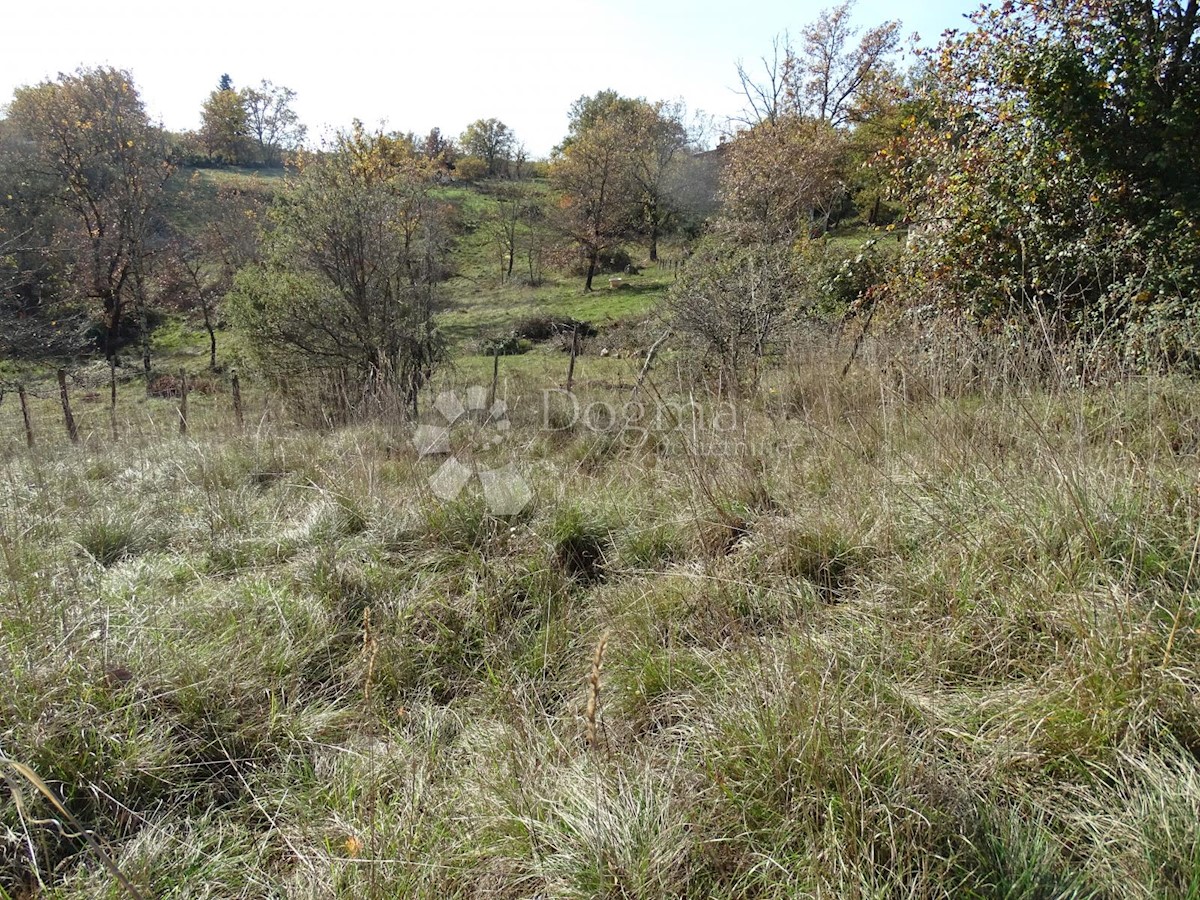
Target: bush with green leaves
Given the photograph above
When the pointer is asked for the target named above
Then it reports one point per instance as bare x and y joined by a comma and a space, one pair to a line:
1049, 166
342, 305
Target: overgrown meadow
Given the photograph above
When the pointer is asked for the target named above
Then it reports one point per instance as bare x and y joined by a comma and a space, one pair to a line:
869, 636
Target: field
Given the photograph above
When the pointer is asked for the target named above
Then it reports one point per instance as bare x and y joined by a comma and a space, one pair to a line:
868, 636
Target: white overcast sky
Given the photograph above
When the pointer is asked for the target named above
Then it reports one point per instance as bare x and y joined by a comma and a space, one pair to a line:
412, 66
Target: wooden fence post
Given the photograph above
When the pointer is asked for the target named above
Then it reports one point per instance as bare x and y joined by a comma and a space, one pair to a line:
25, 415
495, 375
237, 401
68, 419
183, 410
574, 352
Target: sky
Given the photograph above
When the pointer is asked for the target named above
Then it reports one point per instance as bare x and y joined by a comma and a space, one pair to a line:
421, 65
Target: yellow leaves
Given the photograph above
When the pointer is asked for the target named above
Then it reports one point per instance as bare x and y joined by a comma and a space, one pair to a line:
353, 846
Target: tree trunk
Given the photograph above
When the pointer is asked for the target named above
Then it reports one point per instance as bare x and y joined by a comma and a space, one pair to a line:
593, 260
653, 217
212, 337
144, 327
112, 306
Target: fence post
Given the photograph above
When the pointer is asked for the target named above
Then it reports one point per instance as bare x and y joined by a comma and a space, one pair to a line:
495, 375
68, 419
237, 401
574, 352
183, 411
25, 415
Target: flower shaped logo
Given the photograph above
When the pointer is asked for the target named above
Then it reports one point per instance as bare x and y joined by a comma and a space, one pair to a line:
504, 490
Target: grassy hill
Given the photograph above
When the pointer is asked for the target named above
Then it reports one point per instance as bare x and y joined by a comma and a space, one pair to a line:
884, 634
843, 638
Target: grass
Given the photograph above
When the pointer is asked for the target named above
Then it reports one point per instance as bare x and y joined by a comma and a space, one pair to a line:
872, 642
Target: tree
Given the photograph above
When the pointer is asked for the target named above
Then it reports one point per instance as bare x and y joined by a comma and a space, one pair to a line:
827, 106
346, 290
491, 141
831, 73
31, 274
782, 180
513, 226
271, 122
1050, 161
599, 195
765, 98
223, 125
89, 132
602, 107
199, 269
659, 144
830, 77
439, 150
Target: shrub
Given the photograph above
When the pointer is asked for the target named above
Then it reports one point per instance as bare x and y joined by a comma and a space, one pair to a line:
341, 308
732, 301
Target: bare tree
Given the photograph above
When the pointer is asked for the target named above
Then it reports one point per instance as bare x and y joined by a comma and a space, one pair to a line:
732, 299
766, 93
199, 271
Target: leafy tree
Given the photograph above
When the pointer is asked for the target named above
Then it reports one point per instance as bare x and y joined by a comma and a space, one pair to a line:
782, 180
621, 167
470, 168
271, 122
224, 129
440, 150
831, 74
346, 290
31, 274
600, 201
89, 132
1051, 164
659, 146
491, 141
